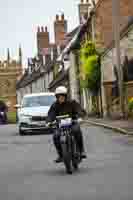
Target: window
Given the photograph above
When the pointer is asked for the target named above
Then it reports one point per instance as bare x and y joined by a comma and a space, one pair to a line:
44, 60
52, 54
58, 50
37, 101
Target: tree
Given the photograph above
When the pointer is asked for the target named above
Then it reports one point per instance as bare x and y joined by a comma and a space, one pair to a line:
90, 67
90, 74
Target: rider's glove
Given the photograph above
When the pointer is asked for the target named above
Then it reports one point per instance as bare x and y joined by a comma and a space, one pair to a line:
48, 125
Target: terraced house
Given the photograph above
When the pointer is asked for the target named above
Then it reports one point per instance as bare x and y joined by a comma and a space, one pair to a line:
96, 23
41, 68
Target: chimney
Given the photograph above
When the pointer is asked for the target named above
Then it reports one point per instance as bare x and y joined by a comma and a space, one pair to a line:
60, 29
84, 8
42, 39
57, 17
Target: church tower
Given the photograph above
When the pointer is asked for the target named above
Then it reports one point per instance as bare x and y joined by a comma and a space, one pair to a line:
10, 71
20, 55
8, 56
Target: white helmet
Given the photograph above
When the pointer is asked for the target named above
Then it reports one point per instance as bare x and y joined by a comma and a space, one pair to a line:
61, 90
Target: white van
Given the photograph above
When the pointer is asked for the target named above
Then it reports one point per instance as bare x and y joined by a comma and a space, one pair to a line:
33, 112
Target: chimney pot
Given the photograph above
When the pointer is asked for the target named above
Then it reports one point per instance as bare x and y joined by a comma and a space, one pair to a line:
62, 17
38, 29
57, 17
42, 29
46, 29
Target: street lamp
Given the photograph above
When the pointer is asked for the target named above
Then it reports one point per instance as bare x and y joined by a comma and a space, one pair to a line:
116, 27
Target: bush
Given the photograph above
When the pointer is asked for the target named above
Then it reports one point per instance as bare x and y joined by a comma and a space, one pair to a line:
130, 107
90, 67
11, 117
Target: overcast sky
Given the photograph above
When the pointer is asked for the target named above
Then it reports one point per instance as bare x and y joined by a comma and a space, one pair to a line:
19, 21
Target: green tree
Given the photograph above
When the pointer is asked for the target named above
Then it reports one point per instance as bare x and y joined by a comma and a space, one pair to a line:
90, 67
90, 72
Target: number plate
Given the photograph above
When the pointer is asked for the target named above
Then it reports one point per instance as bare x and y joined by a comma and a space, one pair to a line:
41, 123
66, 122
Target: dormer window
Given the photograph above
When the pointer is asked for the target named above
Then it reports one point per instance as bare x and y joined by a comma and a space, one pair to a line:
52, 54
30, 69
5, 64
66, 57
58, 50
44, 59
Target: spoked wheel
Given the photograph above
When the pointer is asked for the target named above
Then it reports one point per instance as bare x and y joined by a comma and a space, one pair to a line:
75, 162
75, 157
67, 159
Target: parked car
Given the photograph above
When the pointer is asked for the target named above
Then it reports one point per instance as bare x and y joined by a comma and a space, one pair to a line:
33, 112
3, 112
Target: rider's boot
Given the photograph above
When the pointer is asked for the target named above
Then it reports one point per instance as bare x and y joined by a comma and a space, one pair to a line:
83, 155
59, 159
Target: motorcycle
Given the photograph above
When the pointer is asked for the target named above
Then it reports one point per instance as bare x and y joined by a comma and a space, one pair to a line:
70, 150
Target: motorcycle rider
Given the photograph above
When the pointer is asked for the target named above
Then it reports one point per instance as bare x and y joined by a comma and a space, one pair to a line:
63, 106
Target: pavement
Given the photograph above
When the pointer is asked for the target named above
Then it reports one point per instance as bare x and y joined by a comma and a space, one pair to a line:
122, 126
27, 170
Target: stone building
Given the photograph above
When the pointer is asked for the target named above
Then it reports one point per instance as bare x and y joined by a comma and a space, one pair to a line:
10, 72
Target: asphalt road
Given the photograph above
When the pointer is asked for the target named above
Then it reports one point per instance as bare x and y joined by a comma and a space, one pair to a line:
27, 171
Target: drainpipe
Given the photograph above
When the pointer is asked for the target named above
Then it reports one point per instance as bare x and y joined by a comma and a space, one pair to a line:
116, 26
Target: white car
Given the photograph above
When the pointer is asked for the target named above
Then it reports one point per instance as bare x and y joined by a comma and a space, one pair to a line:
33, 112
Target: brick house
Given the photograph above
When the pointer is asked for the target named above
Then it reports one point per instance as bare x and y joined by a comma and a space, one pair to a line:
104, 36
108, 65
99, 28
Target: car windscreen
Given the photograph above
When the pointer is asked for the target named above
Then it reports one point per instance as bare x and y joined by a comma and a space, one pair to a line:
36, 101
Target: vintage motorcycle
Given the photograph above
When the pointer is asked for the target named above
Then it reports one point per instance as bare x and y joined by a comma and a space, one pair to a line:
70, 150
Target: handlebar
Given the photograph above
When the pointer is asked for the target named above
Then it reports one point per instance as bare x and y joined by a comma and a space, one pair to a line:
62, 117
55, 123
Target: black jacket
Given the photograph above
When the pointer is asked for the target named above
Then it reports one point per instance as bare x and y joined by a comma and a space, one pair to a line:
71, 108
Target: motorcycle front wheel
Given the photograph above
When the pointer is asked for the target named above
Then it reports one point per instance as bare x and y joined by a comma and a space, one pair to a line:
67, 158
75, 156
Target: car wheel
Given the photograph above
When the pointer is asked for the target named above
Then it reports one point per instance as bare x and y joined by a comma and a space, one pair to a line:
21, 132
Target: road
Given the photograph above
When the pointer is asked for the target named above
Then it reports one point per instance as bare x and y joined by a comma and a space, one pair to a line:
27, 171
